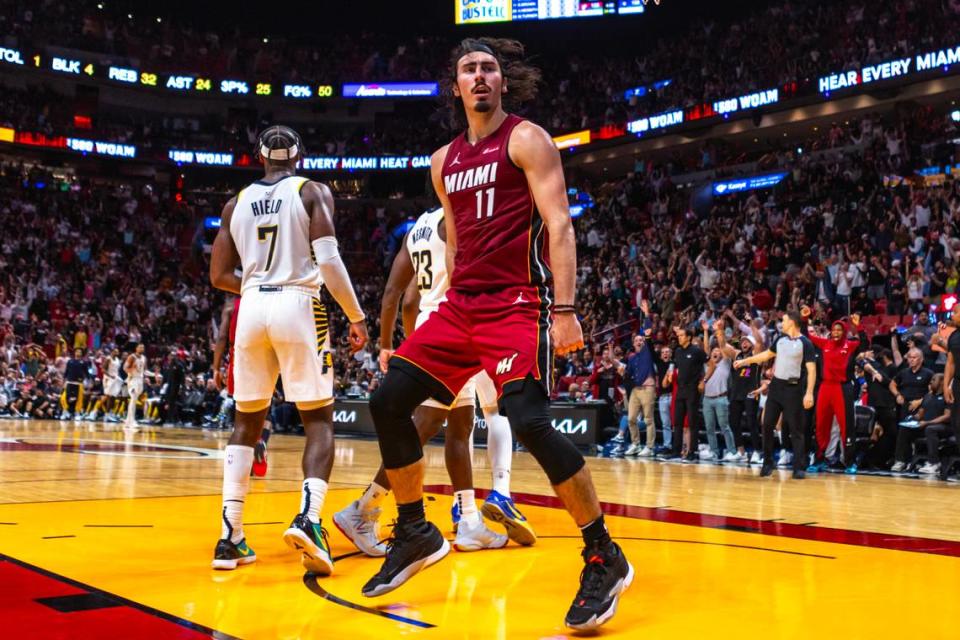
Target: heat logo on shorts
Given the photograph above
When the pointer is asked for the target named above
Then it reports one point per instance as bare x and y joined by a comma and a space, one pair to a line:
506, 364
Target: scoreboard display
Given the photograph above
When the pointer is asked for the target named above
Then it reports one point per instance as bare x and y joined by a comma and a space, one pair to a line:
180, 83
485, 11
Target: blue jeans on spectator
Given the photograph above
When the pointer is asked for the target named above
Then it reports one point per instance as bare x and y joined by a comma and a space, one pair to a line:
665, 419
716, 411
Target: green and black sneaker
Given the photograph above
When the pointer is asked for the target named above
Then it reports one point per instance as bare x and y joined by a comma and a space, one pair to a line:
311, 540
228, 555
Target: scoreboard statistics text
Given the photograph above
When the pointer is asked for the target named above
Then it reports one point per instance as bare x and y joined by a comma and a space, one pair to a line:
485, 11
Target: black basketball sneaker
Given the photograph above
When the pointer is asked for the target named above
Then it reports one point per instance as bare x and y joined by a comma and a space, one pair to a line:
311, 541
413, 548
606, 575
228, 555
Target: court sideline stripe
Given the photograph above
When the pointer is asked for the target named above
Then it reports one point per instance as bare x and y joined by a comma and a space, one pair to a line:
333, 485
195, 626
310, 580
781, 529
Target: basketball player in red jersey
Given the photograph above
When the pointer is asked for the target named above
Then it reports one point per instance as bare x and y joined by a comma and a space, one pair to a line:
505, 209
226, 338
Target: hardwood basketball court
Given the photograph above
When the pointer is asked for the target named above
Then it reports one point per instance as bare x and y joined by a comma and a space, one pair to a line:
107, 535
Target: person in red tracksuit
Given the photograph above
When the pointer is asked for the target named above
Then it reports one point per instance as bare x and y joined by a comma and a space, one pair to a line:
831, 404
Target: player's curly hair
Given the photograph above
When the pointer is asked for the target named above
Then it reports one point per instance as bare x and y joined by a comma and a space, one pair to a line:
521, 77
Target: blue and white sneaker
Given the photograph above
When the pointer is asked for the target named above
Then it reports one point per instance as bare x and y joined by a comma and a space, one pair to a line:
455, 515
500, 508
817, 467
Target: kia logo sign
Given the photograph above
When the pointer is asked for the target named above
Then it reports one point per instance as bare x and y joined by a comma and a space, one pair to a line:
348, 417
569, 427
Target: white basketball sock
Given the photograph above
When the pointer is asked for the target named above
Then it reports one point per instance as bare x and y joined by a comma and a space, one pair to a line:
237, 461
372, 497
499, 451
312, 497
468, 506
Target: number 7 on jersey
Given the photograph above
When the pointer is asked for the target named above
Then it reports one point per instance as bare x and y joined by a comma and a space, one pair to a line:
262, 233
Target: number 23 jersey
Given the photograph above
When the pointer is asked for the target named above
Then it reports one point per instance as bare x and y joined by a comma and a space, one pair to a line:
501, 239
271, 230
428, 254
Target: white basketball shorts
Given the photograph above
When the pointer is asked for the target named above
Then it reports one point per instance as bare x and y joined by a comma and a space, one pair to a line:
282, 332
135, 387
113, 387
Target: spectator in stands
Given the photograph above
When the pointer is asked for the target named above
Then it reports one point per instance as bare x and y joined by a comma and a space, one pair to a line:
879, 371
933, 410
744, 382
665, 369
640, 380
689, 361
909, 386
574, 394
716, 402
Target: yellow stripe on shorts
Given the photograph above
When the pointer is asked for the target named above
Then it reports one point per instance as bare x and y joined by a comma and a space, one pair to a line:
320, 322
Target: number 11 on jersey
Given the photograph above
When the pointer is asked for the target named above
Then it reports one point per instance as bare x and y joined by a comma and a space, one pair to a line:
480, 193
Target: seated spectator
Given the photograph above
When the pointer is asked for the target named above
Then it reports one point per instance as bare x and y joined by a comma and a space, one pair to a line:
574, 393
933, 411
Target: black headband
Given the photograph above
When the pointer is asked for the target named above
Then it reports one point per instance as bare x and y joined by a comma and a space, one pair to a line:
475, 46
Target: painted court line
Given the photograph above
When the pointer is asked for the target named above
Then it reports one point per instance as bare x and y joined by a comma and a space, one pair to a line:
764, 527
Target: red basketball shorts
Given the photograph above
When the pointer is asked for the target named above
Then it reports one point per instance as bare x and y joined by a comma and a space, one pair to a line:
505, 333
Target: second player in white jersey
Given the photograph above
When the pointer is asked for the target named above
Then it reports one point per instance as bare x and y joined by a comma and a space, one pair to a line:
112, 383
428, 254
135, 367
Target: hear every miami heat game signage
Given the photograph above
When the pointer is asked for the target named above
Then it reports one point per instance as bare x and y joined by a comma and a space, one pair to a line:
576, 421
86, 66
922, 62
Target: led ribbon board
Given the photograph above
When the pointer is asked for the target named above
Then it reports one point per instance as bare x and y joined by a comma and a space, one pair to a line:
748, 184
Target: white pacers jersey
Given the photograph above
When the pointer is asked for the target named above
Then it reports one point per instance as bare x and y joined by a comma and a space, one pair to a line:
271, 230
135, 378
429, 255
139, 366
282, 326
112, 384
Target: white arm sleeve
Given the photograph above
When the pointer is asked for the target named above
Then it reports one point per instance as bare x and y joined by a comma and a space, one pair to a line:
336, 278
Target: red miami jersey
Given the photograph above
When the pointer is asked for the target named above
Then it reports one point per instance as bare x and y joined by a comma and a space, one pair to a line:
501, 239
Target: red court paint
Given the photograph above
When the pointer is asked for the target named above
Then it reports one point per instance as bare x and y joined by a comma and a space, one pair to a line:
765, 527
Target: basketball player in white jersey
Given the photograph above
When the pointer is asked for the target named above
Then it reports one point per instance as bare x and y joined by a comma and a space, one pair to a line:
280, 231
112, 386
136, 368
421, 264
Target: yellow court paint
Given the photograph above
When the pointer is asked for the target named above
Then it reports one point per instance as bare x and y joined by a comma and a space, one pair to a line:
691, 581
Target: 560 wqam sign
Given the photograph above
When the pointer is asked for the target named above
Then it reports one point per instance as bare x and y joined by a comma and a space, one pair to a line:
890, 69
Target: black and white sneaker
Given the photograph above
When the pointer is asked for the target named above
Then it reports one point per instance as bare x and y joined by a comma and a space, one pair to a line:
310, 539
228, 555
606, 575
412, 549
